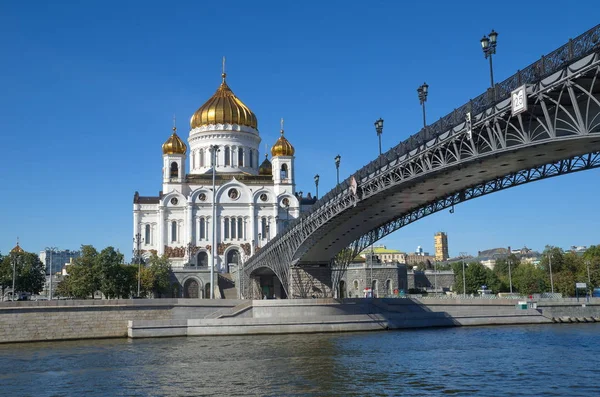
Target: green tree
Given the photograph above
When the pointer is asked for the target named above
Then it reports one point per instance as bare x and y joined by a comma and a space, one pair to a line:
5, 274
591, 261
475, 277
159, 280
528, 279
28, 269
111, 276
82, 281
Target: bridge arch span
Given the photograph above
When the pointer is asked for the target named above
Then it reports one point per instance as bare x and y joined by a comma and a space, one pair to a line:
482, 147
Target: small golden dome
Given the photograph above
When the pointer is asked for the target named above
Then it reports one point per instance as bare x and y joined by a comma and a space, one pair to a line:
282, 147
266, 168
174, 145
223, 108
17, 249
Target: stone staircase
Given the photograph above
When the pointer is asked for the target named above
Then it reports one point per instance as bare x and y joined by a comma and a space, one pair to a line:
227, 286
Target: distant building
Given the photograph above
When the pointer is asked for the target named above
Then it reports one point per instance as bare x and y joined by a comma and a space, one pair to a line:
384, 254
441, 246
57, 259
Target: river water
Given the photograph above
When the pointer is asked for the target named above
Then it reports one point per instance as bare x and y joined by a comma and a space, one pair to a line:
542, 360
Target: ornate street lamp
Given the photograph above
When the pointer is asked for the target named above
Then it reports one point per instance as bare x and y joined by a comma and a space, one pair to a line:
488, 45
214, 150
337, 167
422, 91
379, 129
317, 185
136, 254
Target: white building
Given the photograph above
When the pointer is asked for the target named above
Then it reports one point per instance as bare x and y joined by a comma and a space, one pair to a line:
254, 199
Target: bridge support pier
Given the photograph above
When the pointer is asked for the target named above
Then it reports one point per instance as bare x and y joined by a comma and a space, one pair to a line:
311, 281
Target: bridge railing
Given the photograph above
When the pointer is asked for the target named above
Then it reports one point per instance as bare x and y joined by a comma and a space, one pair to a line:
573, 50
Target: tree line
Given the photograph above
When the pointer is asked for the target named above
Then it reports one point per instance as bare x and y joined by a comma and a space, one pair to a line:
106, 273
568, 268
92, 272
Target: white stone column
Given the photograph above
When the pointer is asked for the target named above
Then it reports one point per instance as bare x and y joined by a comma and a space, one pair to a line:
189, 223
161, 231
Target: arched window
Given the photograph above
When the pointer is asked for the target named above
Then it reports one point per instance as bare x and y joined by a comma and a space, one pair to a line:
202, 234
202, 259
251, 160
227, 155
240, 157
284, 171
374, 288
147, 235
201, 157
226, 228
174, 170
173, 231
356, 285
233, 228
240, 228
388, 287
263, 227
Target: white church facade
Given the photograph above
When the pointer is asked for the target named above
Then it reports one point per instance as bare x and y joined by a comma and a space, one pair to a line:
228, 211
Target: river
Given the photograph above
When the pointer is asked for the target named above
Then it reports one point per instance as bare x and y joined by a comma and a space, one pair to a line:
532, 360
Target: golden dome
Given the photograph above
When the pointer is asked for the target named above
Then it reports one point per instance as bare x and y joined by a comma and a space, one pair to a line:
282, 147
224, 108
174, 145
17, 249
266, 168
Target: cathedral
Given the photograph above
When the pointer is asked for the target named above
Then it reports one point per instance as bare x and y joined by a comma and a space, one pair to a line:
230, 203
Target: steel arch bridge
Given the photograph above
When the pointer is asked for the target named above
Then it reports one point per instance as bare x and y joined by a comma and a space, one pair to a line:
480, 148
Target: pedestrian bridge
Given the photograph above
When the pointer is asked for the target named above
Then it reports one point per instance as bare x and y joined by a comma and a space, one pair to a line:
541, 122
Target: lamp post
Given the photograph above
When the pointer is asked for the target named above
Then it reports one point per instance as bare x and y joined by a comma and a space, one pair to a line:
136, 254
337, 167
15, 258
435, 277
422, 91
379, 129
52, 250
488, 45
463, 255
372, 259
509, 276
587, 265
214, 150
317, 186
550, 266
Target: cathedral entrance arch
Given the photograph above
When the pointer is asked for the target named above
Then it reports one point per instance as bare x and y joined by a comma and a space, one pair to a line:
233, 258
202, 259
191, 289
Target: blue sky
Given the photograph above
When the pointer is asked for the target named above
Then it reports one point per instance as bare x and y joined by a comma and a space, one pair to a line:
88, 91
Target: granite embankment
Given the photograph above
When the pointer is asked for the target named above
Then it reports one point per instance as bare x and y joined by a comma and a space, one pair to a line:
59, 320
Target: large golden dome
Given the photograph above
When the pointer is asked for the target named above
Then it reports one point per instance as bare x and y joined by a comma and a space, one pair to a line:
224, 108
174, 145
282, 147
